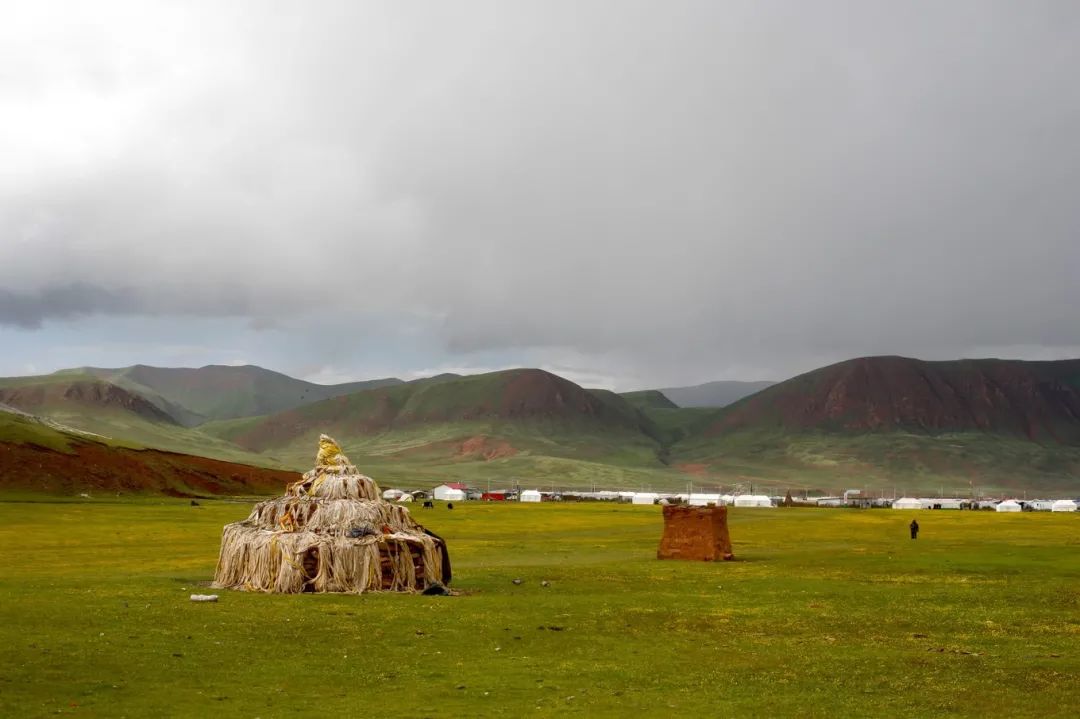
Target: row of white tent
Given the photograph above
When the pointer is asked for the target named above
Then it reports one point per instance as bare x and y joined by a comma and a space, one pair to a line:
1009, 505
720, 500
533, 495
741, 500
694, 500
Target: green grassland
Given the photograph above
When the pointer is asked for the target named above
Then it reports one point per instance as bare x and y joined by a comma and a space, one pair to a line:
827, 613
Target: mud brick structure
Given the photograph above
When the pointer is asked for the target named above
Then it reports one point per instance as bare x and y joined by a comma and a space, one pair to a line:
696, 533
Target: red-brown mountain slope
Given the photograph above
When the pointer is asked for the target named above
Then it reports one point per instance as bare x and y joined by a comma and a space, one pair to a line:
1036, 400
512, 395
38, 458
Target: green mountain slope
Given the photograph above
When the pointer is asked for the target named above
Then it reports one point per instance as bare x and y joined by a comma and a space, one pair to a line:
116, 415
40, 457
872, 422
648, 399
514, 418
195, 395
877, 421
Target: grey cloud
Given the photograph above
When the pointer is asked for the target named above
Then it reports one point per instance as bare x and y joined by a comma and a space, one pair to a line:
676, 190
29, 310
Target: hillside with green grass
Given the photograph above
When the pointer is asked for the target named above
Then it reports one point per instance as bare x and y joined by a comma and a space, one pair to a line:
115, 415
41, 456
648, 399
506, 427
196, 395
888, 421
878, 423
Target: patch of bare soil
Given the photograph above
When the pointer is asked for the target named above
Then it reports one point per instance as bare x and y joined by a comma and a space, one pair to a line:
94, 466
486, 448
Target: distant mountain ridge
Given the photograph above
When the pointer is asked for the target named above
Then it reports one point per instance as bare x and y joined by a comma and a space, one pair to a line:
194, 395
876, 421
510, 395
44, 397
1039, 401
648, 399
870, 421
713, 394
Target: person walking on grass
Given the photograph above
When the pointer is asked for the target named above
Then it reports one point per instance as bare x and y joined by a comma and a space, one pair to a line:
914, 527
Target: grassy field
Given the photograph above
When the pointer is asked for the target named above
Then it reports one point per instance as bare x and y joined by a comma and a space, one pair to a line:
827, 613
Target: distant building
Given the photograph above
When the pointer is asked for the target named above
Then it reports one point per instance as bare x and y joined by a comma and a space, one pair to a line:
752, 500
530, 495
450, 492
948, 503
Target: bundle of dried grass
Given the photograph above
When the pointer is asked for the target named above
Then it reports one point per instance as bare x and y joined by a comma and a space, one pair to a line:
330, 532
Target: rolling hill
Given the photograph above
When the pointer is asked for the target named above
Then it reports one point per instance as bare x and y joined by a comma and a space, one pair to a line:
37, 458
874, 422
1039, 401
195, 395
115, 414
86, 395
516, 419
879, 420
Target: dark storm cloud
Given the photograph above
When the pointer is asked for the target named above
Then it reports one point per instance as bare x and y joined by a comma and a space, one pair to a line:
663, 191
29, 310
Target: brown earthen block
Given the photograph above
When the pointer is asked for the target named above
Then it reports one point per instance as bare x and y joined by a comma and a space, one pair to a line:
697, 533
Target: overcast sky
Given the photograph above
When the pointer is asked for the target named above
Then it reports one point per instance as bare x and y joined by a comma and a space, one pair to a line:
629, 193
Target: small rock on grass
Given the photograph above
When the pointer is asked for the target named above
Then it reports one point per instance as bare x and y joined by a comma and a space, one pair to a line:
204, 597
516, 581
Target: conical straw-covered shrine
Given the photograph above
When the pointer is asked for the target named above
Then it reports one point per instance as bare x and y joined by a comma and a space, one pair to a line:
330, 532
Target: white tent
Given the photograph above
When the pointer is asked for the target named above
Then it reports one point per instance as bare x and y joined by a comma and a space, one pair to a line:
405, 497
703, 500
1063, 505
752, 500
908, 503
1009, 505
449, 493
530, 495
392, 495
644, 498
